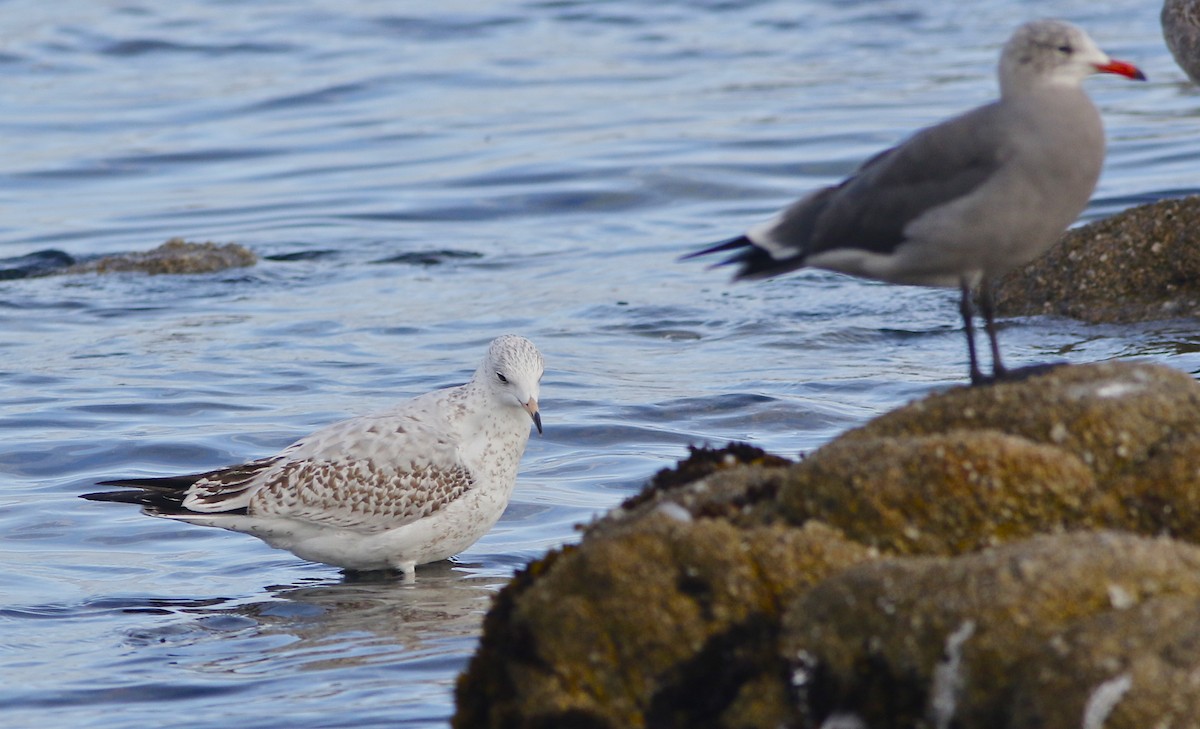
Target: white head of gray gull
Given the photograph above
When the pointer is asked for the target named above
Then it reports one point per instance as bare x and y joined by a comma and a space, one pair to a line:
414, 484
962, 202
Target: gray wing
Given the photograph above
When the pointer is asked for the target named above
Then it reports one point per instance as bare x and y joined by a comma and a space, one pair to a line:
871, 209
933, 168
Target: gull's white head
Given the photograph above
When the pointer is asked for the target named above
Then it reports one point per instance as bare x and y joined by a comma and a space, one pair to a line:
512, 370
1054, 53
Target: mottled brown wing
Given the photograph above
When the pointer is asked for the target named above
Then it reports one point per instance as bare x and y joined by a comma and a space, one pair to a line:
360, 495
229, 489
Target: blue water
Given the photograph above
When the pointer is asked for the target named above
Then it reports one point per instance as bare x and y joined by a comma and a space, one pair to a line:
418, 178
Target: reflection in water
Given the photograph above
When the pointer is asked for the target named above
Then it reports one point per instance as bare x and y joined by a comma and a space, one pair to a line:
1177, 339
322, 624
365, 621
373, 644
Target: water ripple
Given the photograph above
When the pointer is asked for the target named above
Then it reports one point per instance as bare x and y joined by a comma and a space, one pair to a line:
415, 181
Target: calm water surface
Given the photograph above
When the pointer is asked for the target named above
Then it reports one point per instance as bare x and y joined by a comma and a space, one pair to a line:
418, 178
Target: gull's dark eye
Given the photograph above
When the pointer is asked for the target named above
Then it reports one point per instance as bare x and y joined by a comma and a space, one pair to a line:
1066, 50
502, 378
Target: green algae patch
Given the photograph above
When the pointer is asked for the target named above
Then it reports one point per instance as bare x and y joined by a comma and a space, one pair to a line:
930, 641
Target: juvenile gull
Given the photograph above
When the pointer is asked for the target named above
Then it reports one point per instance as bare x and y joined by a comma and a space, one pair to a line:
965, 201
414, 484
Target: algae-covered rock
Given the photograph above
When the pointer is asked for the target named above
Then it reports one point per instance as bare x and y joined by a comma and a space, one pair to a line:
1111, 416
176, 256
743, 488
1089, 446
1106, 445
1140, 264
944, 493
1162, 494
668, 612
1125, 669
944, 641
666, 621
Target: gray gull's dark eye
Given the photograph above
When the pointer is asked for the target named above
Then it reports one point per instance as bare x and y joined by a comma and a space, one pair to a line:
502, 378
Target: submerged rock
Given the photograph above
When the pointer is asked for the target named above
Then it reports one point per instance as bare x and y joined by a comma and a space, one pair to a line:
38, 263
176, 256
671, 611
431, 257
1141, 264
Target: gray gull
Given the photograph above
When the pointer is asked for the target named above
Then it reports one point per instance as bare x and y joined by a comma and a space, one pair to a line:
965, 201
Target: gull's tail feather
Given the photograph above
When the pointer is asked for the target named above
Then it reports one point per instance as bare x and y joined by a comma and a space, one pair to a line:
161, 496
753, 261
156, 483
733, 244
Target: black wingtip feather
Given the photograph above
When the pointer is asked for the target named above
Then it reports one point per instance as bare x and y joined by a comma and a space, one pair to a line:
156, 495
155, 483
733, 244
753, 262
120, 497
165, 503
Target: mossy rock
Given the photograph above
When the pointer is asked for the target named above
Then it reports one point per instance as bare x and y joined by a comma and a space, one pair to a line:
668, 612
176, 256
1111, 416
1162, 494
736, 483
1112, 445
1141, 264
1127, 668
666, 622
942, 493
932, 642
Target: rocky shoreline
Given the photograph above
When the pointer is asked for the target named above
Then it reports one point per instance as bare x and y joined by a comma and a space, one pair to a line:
983, 557
1017, 556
